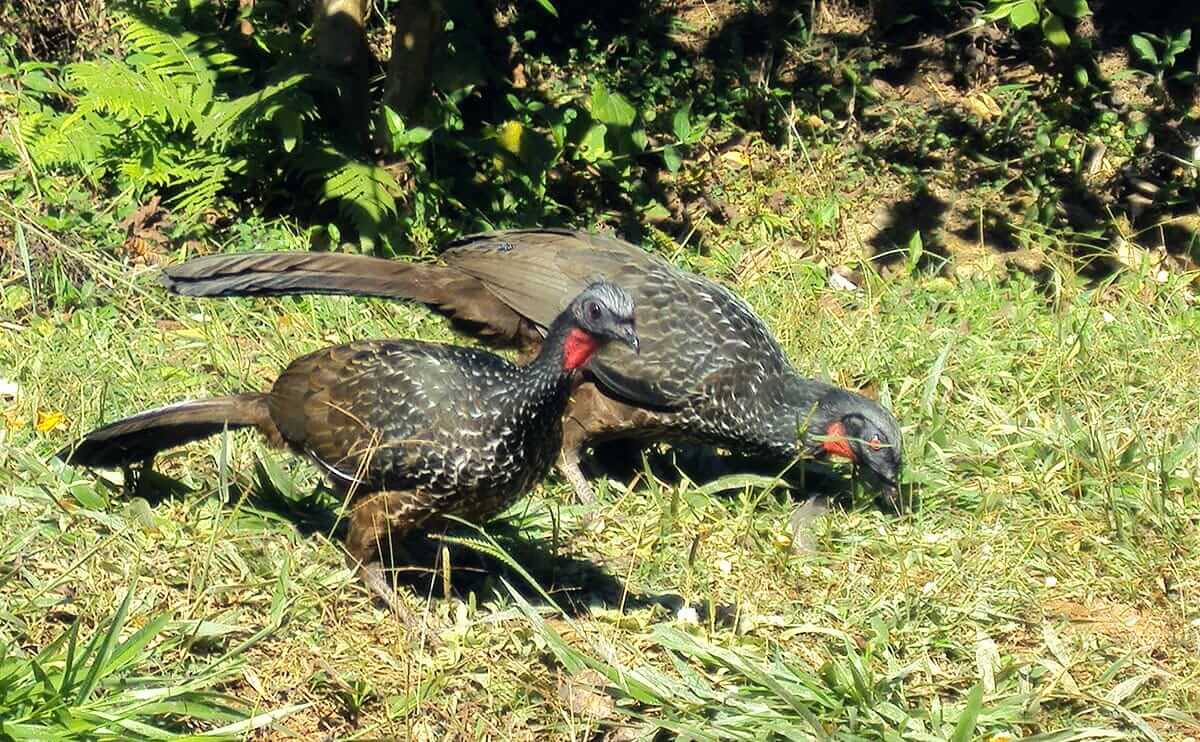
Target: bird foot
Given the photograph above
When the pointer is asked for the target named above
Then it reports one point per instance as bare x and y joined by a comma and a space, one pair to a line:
568, 466
802, 524
375, 579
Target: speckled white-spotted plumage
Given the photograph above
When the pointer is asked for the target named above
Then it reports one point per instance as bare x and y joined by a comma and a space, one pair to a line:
709, 370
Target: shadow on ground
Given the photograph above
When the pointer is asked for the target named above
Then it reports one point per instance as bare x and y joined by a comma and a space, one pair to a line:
437, 563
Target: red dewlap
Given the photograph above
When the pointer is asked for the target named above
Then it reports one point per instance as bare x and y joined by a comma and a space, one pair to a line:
578, 348
835, 442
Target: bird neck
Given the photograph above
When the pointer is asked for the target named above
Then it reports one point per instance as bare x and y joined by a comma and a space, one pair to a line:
567, 347
804, 410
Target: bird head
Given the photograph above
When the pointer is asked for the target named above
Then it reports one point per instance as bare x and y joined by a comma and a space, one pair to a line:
602, 312
850, 426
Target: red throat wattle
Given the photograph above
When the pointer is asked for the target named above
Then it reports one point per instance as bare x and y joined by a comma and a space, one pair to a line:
835, 442
578, 348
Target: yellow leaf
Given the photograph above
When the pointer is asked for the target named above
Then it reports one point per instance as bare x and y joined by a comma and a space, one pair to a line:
189, 332
13, 420
47, 421
982, 105
509, 136
737, 157
285, 324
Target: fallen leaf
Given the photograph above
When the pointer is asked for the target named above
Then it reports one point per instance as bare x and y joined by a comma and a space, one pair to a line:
584, 694
737, 157
982, 105
47, 421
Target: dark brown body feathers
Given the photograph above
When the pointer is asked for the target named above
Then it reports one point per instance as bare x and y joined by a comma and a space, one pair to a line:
709, 370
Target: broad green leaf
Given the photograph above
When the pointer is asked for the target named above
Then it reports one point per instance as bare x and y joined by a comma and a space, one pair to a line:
916, 248
1070, 8
1024, 13
611, 108
639, 139
291, 127
1179, 42
591, 147
1055, 31
681, 123
419, 134
672, 158
1144, 49
964, 731
37, 81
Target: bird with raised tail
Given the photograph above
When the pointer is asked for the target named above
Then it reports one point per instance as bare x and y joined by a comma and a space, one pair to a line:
711, 371
407, 431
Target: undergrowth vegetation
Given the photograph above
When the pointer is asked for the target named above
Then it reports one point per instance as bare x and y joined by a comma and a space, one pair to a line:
984, 213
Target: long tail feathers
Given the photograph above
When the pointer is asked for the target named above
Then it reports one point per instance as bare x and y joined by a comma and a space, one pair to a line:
139, 437
466, 300
290, 273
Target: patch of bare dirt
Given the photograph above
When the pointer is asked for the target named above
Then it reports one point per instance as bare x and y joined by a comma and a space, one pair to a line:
1129, 89
1114, 620
843, 17
57, 32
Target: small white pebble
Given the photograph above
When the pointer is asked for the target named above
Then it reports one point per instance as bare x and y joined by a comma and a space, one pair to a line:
724, 566
1162, 276
746, 624
928, 587
985, 550
1108, 316
838, 281
1051, 580
687, 615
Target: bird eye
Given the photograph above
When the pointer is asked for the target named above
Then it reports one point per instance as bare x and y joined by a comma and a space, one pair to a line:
593, 310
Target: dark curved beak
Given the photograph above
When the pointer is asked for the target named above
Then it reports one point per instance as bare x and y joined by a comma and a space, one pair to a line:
629, 336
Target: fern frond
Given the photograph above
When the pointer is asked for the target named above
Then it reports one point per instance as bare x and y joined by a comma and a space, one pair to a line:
134, 95
193, 177
365, 193
201, 192
75, 139
227, 117
167, 49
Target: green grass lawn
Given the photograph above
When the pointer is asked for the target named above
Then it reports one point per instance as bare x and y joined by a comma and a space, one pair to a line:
1045, 585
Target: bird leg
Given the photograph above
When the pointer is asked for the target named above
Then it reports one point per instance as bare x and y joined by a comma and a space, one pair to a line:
376, 524
593, 416
569, 468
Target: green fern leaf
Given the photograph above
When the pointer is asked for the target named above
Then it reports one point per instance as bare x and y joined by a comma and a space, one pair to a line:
365, 193
72, 139
169, 51
227, 117
133, 95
